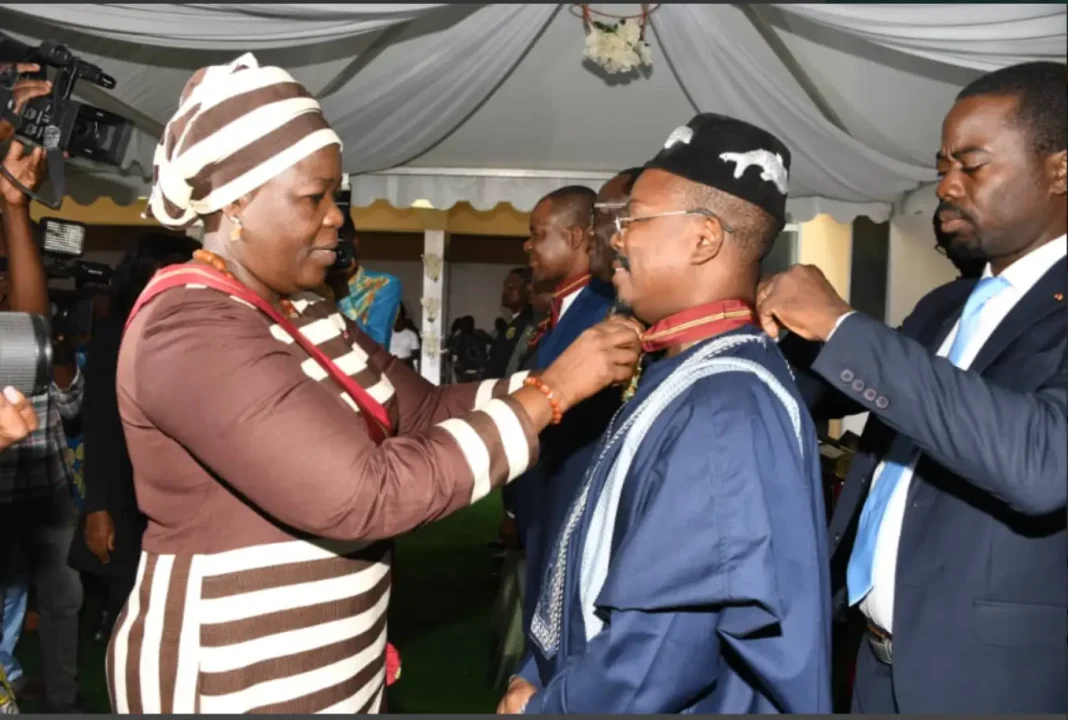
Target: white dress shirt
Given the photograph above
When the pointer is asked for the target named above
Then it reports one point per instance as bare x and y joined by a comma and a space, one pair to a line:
567, 302
1021, 276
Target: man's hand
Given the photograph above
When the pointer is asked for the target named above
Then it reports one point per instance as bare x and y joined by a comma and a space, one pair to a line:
17, 417
517, 697
802, 301
27, 168
100, 534
22, 93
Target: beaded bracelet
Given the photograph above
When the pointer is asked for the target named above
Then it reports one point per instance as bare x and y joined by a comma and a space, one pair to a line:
534, 382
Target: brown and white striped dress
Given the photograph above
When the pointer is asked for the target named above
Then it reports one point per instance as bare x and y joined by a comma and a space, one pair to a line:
264, 581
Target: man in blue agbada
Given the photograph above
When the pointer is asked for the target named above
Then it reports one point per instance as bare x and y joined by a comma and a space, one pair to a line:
691, 574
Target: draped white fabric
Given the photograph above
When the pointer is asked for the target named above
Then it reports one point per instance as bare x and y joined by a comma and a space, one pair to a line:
493, 103
826, 161
422, 86
984, 37
219, 26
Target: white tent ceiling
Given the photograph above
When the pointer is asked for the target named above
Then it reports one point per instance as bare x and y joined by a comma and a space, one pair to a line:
492, 103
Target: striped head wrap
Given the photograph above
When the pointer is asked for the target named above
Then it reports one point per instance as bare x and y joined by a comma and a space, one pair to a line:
237, 127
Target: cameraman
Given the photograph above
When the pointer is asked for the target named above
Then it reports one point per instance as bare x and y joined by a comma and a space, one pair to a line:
36, 508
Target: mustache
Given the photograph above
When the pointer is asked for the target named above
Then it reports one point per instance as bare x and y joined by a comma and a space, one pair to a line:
950, 208
622, 260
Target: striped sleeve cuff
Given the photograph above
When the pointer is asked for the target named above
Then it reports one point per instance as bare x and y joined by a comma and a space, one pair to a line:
497, 441
492, 389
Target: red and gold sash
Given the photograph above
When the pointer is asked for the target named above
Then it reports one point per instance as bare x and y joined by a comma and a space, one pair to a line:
698, 323
689, 326
374, 413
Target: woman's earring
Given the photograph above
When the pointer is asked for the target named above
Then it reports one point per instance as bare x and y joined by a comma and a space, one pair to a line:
235, 229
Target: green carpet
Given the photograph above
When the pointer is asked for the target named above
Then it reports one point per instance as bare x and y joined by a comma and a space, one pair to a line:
439, 621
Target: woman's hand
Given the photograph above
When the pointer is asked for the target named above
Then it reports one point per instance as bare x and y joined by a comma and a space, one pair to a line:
100, 534
605, 354
17, 417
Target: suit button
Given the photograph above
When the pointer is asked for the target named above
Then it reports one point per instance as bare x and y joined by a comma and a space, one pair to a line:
870, 394
837, 537
882, 403
858, 385
847, 376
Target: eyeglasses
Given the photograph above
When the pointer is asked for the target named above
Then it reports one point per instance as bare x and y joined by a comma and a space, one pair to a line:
608, 208
623, 222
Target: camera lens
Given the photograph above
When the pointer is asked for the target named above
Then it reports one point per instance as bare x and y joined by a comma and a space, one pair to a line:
85, 131
25, 353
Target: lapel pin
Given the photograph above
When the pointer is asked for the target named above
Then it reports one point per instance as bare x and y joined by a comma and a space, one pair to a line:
1058, 296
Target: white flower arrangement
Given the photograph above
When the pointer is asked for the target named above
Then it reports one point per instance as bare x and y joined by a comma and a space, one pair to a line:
432, 266
432, 345
617, 48
431, 305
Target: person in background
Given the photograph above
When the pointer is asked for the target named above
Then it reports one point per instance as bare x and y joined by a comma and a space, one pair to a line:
405, 343
468, 349
610, 203
559, 258
37, 510
14, 599
949, 536
541, 303
691, 572
505, 350
108, 544
508, 632
370, 299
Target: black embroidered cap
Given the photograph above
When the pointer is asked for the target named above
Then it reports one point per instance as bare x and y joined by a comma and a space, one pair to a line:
730, 155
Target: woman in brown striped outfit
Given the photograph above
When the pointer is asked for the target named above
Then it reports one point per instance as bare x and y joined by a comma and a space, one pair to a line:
264, 580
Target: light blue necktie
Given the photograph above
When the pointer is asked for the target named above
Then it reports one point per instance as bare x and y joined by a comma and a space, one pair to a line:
901, 453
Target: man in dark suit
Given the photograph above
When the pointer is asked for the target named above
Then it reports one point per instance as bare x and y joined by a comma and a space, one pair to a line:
559, 258
505, 352
950, 530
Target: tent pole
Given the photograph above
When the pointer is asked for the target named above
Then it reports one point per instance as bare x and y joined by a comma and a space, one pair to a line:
435, 277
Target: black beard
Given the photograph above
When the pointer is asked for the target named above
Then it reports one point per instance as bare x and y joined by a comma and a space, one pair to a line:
968, 257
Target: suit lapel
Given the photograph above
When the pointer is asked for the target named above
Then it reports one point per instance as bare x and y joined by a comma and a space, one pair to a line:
588, 308
559, 337
934, 335
1035, 306
1031, 309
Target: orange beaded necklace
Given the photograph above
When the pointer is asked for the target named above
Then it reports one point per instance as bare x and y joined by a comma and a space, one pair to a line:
209, 258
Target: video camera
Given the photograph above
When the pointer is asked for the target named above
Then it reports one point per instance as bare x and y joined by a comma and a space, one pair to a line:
25, 339
62, 244
57, 123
